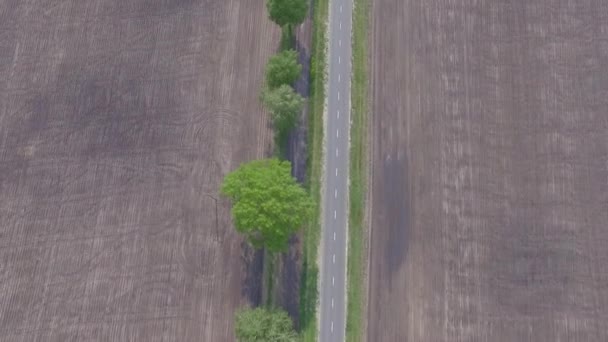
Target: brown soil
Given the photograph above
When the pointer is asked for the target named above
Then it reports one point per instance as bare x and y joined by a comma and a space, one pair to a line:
118, 120
490, 171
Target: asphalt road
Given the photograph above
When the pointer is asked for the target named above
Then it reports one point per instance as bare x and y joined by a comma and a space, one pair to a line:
335, 218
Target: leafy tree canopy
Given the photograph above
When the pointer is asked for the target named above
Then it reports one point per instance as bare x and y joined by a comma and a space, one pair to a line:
263, 325
283, 68
287, 12
284, 105
268, 205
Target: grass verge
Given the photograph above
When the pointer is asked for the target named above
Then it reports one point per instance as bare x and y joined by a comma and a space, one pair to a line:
312, 232
359, 93
269, 272
281, 138
288, 39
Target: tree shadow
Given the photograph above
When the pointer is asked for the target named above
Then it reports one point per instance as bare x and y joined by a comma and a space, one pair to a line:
397, 212
290, 280
297, 140
302, 85
253, 264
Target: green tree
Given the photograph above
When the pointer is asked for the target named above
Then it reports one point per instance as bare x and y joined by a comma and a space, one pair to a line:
284, 105
287, 12
283, 68
268, 205
263, 325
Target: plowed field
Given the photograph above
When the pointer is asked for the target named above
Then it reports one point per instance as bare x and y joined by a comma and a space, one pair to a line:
490, 171
118, 120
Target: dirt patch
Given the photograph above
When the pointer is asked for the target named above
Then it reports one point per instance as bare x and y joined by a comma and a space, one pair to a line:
118, 121
490, 171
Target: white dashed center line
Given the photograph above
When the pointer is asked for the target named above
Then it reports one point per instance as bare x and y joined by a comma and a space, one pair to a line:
330, 246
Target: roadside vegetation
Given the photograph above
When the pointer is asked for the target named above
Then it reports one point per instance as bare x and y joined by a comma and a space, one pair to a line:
284, 105
272, 229
358, 172
287, 13
263, 325
312, 233
268, 205
282, 69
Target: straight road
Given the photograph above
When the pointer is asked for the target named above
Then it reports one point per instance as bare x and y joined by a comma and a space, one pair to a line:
335, 218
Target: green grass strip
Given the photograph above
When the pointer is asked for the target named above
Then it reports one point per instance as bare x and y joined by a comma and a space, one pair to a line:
310, 272
358, 172
269, 273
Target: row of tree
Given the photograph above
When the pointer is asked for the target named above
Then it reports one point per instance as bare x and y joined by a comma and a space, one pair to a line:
268, 204
278, 95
